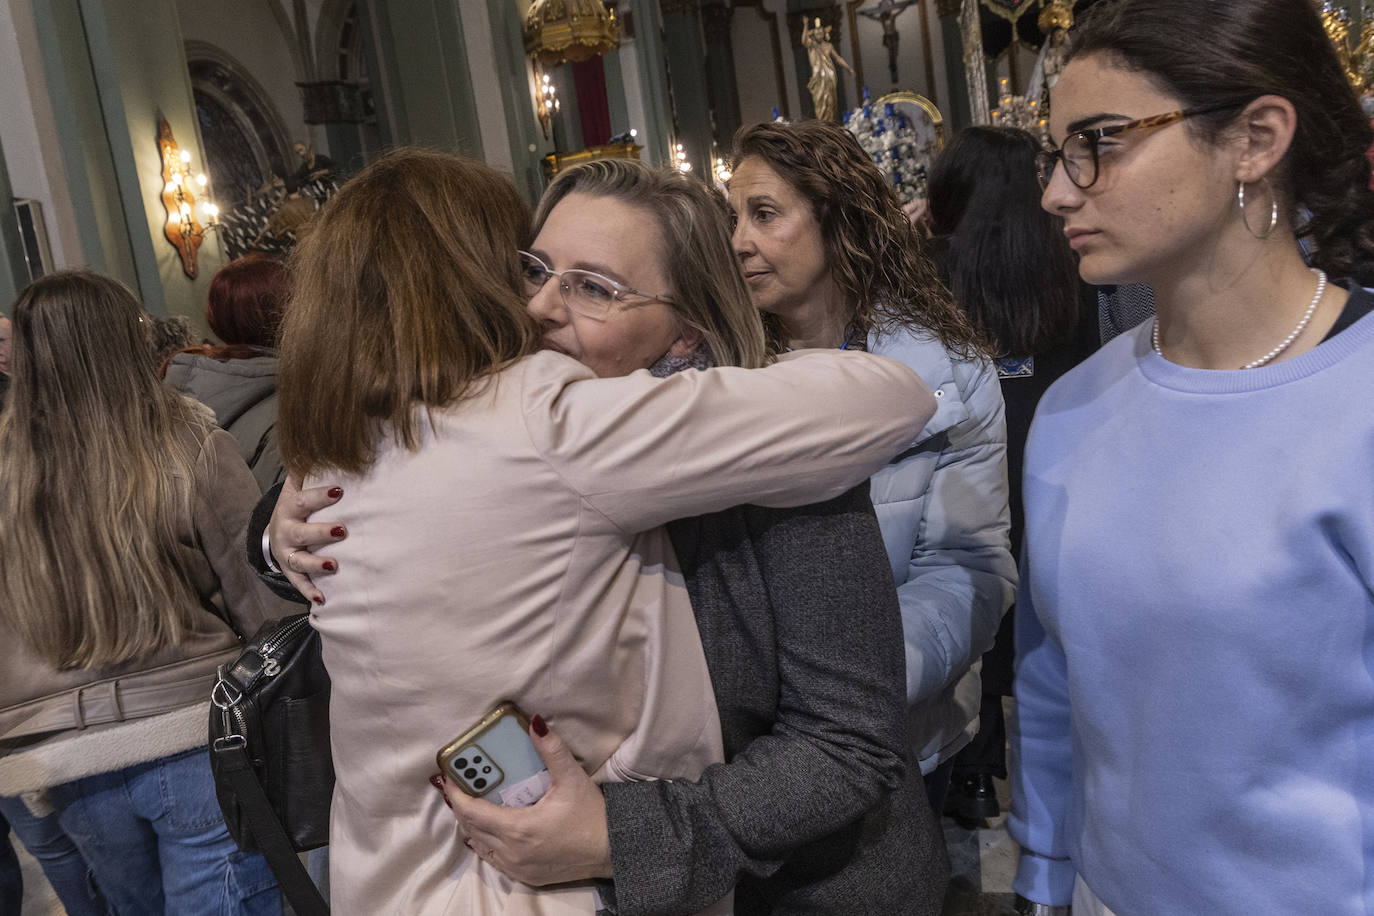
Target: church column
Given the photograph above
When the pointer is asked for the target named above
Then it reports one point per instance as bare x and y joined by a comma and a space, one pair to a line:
720, 72
427, 81
956, 108
687, 79
650, 75
527, 143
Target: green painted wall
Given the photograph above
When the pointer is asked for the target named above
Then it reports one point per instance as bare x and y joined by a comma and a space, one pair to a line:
13, 273
429, 92
82, 145
142, 78
527, 143
656, 132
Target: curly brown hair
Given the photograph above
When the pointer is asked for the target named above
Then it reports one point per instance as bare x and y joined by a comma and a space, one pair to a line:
876, 256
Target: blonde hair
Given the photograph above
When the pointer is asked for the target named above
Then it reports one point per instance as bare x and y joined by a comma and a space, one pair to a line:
95, 479
707, 289
407, 289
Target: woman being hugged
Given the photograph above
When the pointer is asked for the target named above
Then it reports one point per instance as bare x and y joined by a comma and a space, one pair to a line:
833, 261
1196, 712
504, 507
121, 591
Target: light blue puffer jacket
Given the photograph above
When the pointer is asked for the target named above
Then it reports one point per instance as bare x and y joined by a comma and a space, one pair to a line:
942, 507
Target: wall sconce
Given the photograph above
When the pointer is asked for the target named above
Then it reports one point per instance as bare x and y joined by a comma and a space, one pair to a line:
179, 199
548, 102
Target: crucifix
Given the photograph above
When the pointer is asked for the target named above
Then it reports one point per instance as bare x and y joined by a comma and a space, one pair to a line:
886, 12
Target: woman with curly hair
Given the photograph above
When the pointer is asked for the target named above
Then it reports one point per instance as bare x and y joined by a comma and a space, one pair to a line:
833, 261
1195, 624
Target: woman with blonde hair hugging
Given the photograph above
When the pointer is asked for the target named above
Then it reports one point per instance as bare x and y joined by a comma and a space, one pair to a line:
121, 591
506, 509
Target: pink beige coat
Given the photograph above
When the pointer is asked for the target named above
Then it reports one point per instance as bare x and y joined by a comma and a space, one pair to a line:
518, 554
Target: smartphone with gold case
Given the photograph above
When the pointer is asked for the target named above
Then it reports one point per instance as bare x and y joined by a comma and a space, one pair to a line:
496, 760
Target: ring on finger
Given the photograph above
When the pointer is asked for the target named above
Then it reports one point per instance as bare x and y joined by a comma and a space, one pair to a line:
291, 560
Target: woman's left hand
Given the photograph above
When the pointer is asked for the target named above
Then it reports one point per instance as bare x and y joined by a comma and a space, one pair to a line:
563, 837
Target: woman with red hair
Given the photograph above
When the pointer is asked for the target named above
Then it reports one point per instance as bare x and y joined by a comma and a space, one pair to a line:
238, 380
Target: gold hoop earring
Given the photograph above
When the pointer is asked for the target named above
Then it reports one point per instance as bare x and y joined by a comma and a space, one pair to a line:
1273, 212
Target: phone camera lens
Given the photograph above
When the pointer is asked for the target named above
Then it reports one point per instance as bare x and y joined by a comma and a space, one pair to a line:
461, 763
480, 783
476, 759
470, 772
486, 769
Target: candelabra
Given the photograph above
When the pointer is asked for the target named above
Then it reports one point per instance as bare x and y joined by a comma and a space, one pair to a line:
183, 230
546, 106
1019, 111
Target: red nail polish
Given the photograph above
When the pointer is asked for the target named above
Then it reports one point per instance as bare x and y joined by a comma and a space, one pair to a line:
329, 566
437, 781
319, 599
540, 727
338, 531
335, 492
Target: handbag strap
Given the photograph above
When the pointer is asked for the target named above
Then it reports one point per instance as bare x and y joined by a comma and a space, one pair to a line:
267, 829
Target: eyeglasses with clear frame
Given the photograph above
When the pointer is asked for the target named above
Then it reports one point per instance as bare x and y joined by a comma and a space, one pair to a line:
585, 292
1079, 150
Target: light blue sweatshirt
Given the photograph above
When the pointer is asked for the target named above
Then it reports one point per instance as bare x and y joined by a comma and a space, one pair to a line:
1195, 635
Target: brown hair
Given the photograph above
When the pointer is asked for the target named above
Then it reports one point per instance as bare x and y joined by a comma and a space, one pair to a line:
707, 289
875, 254
96, 479
406, 290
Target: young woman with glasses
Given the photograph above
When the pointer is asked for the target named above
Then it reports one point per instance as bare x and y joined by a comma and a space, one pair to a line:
504, 507
1195, 622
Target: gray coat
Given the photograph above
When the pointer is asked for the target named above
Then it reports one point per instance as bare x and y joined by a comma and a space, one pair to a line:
816, 809
243, 395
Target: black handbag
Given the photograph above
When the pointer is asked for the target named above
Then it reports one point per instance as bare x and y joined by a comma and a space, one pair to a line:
269, 752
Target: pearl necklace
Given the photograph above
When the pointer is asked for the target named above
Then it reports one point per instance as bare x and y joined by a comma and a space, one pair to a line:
1287, 341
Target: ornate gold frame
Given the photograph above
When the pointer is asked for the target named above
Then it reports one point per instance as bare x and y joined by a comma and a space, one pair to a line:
923, 103
557, 162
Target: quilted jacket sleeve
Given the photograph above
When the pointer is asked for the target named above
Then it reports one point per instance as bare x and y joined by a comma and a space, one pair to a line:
962, 577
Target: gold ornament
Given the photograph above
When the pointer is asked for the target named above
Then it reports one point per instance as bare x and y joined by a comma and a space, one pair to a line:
569, 30
1057, 14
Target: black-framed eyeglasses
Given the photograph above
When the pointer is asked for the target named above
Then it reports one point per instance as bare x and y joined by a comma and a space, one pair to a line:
1079, 150
585, 292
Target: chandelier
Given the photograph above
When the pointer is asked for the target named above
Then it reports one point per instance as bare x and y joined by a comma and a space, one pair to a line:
571, 30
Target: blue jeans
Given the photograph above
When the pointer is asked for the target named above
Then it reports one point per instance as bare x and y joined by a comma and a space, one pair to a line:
156, 841
62, 862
